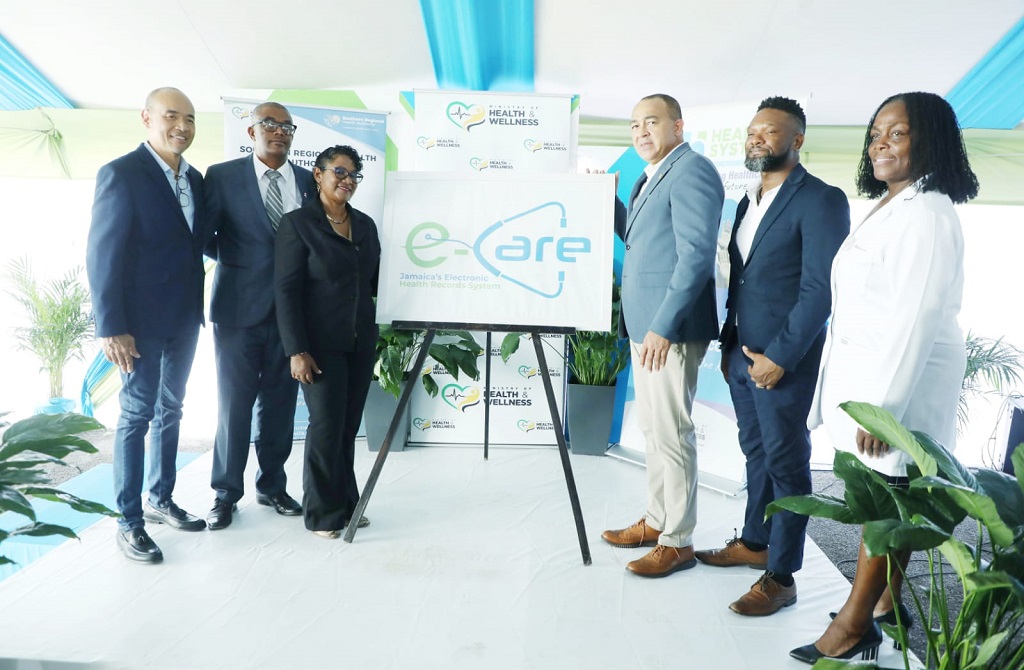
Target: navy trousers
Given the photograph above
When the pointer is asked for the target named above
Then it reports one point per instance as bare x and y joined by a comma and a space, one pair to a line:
253, 372
774, 439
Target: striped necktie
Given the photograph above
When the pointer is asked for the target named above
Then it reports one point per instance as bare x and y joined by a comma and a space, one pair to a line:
275, 204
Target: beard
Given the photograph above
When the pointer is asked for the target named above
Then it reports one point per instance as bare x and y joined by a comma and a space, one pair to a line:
765, 163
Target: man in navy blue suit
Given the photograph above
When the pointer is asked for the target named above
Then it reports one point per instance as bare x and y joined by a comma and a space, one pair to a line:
788, 228
245, 199
145, 266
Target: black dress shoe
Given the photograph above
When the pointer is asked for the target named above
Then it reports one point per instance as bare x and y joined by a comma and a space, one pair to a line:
281, 502
890, 618
138, 546
220, 516
173, 516
866, 647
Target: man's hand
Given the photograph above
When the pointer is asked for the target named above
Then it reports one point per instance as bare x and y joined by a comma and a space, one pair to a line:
304, 368
870, 445
654, 351
764, 373
120, 350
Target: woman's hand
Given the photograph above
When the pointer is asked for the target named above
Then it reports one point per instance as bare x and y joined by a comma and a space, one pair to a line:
304, 367
870, 445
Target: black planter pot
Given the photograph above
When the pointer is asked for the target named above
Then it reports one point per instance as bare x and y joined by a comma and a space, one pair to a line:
590, 410
380, 409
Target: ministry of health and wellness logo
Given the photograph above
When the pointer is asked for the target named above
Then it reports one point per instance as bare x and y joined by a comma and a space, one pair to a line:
461, 397
466, 116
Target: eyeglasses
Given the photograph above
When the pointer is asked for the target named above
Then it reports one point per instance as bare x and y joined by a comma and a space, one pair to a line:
271, 126
341, 173
181, 190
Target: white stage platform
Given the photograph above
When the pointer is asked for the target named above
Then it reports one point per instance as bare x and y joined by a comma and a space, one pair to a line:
467, 564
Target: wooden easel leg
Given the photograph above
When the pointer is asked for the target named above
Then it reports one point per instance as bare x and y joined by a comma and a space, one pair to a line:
563, 451
382, 455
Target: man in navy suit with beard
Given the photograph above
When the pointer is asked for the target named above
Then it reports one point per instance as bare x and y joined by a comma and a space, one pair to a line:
145, 265
788, 229
245, 199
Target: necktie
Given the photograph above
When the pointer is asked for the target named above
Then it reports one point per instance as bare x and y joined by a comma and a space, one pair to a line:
275, 204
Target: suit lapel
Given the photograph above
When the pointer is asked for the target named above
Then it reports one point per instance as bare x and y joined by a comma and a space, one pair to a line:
637, 202
789, 188
153, 170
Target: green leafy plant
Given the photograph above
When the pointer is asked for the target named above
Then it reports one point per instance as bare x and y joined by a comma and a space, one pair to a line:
993, 363
987, 631
25, 449
455, 350
58, 319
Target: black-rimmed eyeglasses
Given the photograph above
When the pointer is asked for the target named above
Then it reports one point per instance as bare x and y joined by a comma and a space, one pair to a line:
271, 126
341, 173
181, 189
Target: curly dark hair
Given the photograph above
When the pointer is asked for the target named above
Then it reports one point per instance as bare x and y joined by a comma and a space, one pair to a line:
937, 150
330, 153
787, 105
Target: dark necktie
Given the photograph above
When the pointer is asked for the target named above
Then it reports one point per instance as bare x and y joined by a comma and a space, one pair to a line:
275, 204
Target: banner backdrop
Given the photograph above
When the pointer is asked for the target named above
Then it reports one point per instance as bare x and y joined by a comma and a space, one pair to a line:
471, 132
317, 129
474, 131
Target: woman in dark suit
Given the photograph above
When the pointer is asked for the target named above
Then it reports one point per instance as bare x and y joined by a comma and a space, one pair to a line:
327, 255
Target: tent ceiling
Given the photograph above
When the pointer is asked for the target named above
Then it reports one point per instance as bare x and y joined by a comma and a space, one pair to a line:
847, 56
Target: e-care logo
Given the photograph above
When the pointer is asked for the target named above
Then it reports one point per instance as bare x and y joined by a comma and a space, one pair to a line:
525, 249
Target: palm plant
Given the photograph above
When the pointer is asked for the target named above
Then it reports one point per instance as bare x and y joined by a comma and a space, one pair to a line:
987, 631
58, 319
994, 363
25, 448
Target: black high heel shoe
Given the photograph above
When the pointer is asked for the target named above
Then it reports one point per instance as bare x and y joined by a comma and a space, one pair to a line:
890, 618
867, 647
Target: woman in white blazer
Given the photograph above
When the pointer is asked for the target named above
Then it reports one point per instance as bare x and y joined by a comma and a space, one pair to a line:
894, 340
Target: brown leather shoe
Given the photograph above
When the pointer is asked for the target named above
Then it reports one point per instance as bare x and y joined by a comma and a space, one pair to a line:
637, 535
734, 553
765, 597
663, 561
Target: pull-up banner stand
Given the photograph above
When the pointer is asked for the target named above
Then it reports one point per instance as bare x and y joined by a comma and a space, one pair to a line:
530, 253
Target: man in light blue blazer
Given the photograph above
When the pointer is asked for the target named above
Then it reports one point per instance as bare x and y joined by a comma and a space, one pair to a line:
788, 229
668, 312
144, 258
245, 199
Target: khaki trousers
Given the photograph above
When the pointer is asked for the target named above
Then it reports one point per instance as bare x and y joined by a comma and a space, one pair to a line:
664, 401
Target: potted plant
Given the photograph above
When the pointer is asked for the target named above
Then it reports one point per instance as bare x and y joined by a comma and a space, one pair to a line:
992, 362
987, 631
595, 360
396, 350
58, 324
25, 448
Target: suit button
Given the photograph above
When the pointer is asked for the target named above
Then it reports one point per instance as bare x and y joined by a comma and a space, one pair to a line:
742, 280
627, 247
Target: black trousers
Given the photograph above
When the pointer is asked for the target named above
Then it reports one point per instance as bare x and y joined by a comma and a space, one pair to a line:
335, 402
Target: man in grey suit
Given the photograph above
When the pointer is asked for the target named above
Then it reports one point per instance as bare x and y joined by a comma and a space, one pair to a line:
669, 314
245, 199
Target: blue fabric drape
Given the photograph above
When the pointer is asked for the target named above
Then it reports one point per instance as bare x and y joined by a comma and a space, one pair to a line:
22, 86
991, 95
481, 45
99, 370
